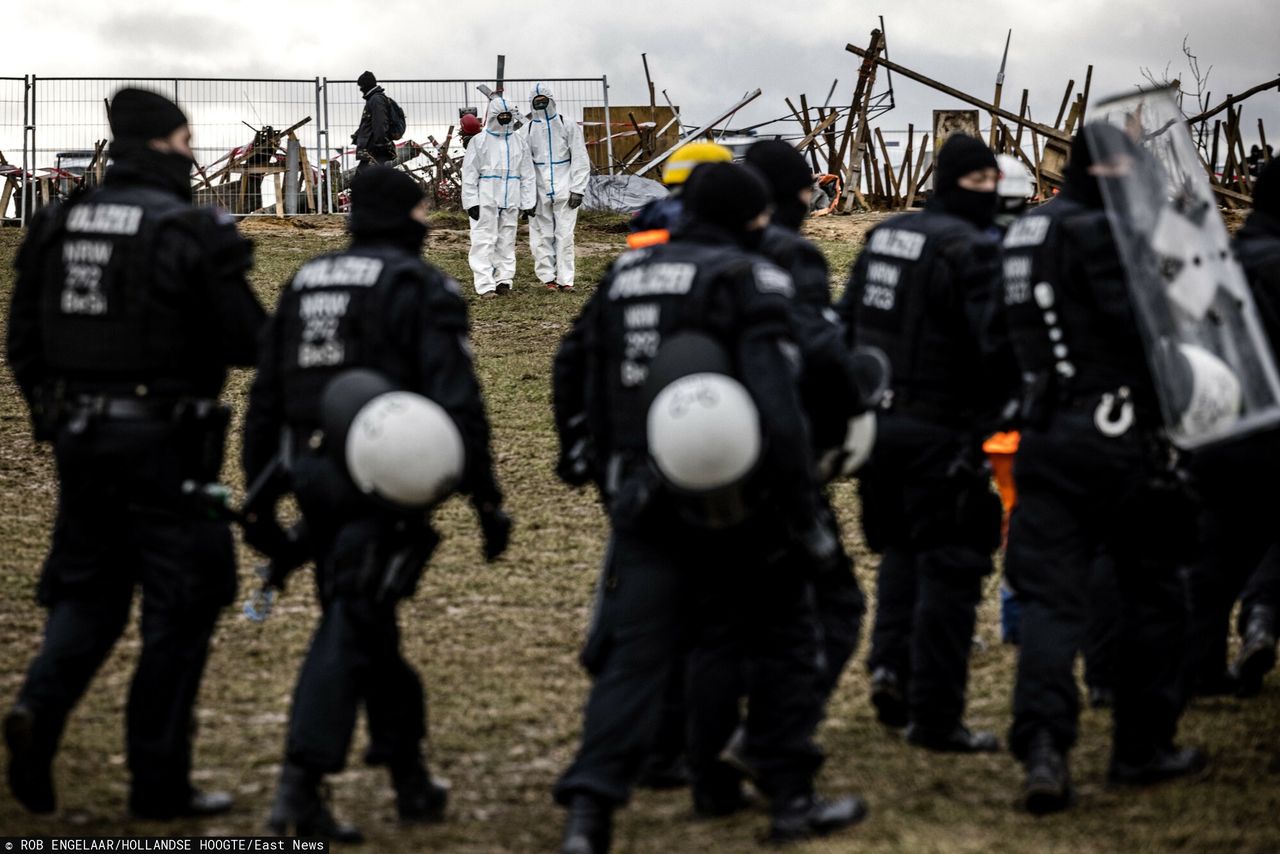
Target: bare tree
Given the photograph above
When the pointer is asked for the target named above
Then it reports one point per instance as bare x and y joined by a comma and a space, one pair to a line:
1199, 94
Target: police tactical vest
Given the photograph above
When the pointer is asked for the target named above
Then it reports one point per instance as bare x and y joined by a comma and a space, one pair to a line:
333, 317
649, 295
1057, 262
103, 314
910, 306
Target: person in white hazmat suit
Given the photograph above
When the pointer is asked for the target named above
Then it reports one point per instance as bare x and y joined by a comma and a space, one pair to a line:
498, 185
560, 158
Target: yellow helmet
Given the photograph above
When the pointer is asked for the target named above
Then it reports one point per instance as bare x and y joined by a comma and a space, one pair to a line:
677, 168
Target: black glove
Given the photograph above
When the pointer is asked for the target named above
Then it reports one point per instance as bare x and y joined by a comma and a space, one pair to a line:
528, 214
817, 542
575, 200
474, 212
496, 526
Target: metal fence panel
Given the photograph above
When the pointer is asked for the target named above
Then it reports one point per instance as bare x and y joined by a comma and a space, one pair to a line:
70, 118
13, 121
59, 126
431, 107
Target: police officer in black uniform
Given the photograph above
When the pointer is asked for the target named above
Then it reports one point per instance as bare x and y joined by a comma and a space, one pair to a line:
1241, 554
920, 292
1093, 475
832, 388
129, 307
376, 305
669, 577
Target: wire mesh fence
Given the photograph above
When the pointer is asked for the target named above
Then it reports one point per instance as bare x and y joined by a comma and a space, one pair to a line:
263, 146
13, 121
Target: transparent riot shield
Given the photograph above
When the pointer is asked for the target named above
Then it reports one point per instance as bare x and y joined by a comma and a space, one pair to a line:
1208, 353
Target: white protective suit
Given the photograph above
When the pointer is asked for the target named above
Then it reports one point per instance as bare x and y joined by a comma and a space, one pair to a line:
560, 157
497, 176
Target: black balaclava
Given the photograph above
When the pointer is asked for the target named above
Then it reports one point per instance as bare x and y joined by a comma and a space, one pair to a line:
138, 116
728, 196
1078, 183
787, 174
1266, 189
366, 82
381, 200
960, 155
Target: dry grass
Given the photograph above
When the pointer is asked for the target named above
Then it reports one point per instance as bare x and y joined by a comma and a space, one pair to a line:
497, 645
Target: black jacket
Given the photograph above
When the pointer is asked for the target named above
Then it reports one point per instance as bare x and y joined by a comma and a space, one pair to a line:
194, 276
374, 133
421, 336
744, 304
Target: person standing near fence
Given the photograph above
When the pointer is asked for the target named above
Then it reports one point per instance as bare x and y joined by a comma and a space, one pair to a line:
563, 168
498, 185
129, 307
372, 138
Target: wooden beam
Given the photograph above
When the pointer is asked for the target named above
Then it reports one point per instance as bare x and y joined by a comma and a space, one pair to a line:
1088, 82
1044, 130
1066, 99
1232, 99
817, 131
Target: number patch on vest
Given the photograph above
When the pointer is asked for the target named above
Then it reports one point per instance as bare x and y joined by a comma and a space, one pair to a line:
881, 289
85, 262
321, 314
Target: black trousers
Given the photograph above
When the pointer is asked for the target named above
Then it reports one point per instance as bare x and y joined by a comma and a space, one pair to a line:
121, 525
1240, 557
354, 659
1081, 494
839, 606
935, 531
664, 591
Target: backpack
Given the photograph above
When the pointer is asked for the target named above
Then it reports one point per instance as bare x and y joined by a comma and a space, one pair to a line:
395, 119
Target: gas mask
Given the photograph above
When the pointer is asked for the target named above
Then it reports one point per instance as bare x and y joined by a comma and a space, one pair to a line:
541, 102
504, 118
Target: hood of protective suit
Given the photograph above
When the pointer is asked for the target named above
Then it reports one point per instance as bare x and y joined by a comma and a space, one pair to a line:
497, 105
538, 90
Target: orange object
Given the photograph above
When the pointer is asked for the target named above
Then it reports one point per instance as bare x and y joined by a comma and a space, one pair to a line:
652, 237
1000, 449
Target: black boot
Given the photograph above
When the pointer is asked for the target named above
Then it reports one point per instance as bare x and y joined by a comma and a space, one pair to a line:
888, 698
807, 816
1257, 655
1047, 788
589, 829
1168, 763
419, 798
300, 809
30, 766
957, 740
196, 804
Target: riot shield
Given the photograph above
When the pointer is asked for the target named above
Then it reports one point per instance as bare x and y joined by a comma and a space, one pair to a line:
1209, 356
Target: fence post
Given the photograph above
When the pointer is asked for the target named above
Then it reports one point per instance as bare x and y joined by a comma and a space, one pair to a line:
28, 196
26, 127
321, 162
608, 122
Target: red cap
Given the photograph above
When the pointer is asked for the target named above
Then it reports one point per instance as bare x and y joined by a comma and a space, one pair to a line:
470, 125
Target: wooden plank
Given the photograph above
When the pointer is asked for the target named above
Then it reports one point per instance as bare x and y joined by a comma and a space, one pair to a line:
6, 194
916, 172
866, 79
1022, 111
1262, 139
1084, 96
891, 183
823, 125
1044, 130
1066, 99
1232, 99
1213, 165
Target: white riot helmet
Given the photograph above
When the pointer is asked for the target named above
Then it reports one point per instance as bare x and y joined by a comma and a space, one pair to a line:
1015, 189
703, 429
398, 446
1212, 394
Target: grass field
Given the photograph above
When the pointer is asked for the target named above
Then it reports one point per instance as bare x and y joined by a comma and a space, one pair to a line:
497, 645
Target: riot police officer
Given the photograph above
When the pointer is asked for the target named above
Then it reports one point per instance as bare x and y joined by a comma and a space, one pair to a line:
1241, 555
833, 389
379, 307
693, 554
130, 306
1093, 476
919, 292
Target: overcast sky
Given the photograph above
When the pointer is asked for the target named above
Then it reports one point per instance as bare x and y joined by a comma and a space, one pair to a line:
706, 53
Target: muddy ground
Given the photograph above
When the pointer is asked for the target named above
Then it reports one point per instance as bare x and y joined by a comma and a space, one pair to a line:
497, 646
